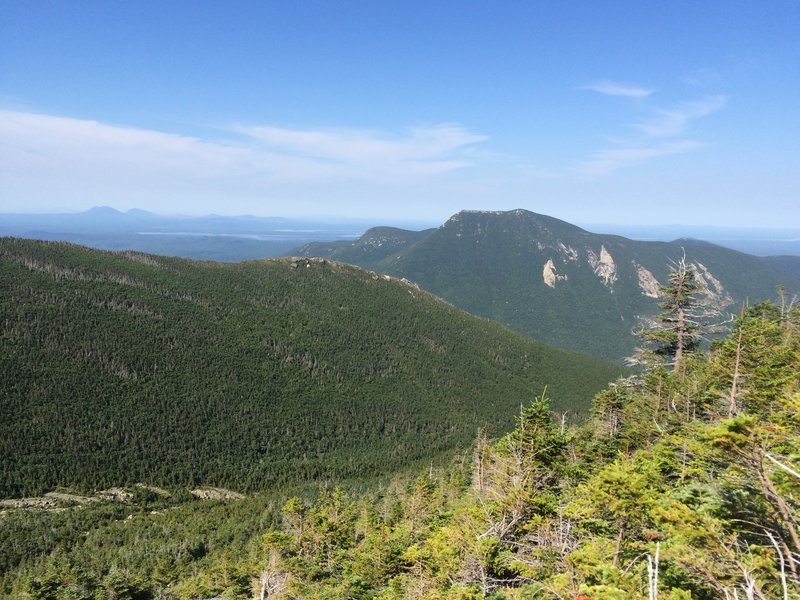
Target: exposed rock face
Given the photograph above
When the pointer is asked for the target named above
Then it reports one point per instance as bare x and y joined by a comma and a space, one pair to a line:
647, 282
549, 274
715, 293
216, 494
568, 252
70, 497
116, 494
38, 502
603, 265
156, 490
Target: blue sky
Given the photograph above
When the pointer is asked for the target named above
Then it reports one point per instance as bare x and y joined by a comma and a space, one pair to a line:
593, 112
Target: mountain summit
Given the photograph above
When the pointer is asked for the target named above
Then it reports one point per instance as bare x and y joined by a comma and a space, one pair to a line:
553, 280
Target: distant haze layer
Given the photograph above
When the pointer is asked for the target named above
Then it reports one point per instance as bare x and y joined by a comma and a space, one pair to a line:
244, 237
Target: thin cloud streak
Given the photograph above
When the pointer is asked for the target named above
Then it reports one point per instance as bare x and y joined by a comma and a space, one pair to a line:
673, 122
606, 162
661, 124
612, 88
367, 146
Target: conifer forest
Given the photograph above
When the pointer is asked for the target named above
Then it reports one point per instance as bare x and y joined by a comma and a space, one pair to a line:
680, 479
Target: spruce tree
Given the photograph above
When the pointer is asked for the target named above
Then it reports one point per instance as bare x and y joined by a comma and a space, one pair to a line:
677, 331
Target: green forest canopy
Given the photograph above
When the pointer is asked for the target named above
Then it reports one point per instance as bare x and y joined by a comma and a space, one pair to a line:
683, 484
119, 368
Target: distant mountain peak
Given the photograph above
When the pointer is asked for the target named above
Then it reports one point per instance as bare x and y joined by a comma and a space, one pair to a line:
492, 213
690, 241
138, 212
553, 280
516, 217
103, 210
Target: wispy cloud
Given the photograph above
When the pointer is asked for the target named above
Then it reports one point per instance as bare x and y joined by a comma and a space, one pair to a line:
420, 150
655, 125
605, 162
61, 147
415, 143
674, 121
43, 154
612, 88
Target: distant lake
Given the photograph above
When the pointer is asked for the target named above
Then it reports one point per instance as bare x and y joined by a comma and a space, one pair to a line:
207, 238
278, 234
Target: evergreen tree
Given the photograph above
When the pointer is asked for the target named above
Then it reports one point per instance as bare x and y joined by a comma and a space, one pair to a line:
678, 328
753, 365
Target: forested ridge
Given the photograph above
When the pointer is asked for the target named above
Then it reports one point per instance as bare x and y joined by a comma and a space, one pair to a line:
119, 368
683, 484
553, 280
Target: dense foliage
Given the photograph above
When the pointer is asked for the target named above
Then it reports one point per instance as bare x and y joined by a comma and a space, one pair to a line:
667, 493
117, 368
683, 484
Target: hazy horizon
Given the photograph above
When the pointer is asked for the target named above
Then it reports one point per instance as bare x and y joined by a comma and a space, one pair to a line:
600, 227
110, 228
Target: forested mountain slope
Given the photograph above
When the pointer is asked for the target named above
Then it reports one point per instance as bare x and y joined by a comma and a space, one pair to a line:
684, 484
789, 264
118, 368
557, 282
376, 245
